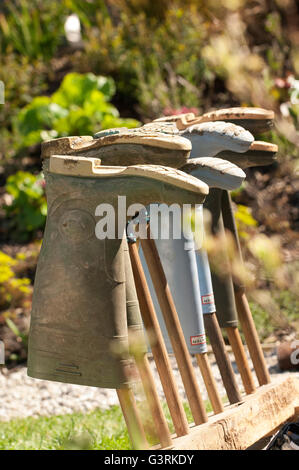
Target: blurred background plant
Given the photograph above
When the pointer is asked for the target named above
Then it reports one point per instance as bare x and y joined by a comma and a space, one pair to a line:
78, 66
32, 29
271, 281
79, 107
15, 302
14, 291
26, 207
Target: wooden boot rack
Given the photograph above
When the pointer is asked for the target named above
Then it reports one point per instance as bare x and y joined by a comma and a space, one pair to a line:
233, 427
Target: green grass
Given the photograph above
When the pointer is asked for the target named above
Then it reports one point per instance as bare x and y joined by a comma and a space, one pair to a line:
97, 430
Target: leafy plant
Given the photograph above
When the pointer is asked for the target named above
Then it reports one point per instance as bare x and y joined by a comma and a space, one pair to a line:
33, 29
79, 107
23, 81
14, 291
165, 71
28, 209
245, 221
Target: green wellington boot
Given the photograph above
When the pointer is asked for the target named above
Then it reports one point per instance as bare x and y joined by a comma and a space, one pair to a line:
79, 324
124, 147
255, 120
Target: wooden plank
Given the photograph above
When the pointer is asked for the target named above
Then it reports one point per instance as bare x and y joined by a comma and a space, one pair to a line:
243, 424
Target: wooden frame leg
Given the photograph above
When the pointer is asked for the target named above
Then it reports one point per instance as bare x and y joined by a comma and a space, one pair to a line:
243, 309
158, 347
153, 400
132, 418
138, 349
251, 338
227, 374
174, 328
210, 383
235, 341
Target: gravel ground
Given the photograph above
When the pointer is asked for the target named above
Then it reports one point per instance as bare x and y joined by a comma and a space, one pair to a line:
22, 396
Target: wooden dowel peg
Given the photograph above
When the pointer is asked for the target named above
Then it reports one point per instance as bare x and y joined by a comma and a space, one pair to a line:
227, 374
235, 341
174, 329
243, 309
153, 400
157, 344
210, 383
251, 338
132, 419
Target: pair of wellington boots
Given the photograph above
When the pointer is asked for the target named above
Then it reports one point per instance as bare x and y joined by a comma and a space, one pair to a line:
219, 140
82, 310
69, 358
59, 347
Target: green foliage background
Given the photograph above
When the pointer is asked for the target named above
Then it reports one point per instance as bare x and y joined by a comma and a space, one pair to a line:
138, 59
162, 55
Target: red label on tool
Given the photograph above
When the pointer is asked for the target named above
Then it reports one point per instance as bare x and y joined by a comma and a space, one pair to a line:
207, 299
199, 339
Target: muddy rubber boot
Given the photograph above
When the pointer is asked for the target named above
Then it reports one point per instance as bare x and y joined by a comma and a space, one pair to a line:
215, 172
177, 259
134, 320
79, 327
221, 176
222, 285
124, 147
192, 292
188, 275
207, 139
256, 120
253, 120
210, 138
259, 153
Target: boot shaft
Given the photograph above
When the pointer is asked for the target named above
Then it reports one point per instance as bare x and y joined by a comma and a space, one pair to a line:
79, 324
